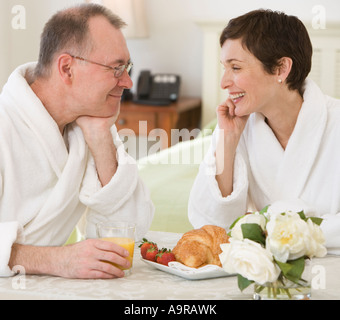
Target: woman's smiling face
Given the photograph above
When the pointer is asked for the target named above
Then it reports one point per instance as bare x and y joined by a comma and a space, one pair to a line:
250, 87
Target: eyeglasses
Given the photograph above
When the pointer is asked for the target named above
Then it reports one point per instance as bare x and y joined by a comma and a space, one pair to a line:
117, 71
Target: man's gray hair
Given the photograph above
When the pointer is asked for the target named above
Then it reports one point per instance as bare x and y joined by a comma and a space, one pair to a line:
69, 30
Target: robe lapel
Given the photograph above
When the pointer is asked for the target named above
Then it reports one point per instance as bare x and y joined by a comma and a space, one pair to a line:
36, 117
59, 209
282, 174
265, 153
303, 145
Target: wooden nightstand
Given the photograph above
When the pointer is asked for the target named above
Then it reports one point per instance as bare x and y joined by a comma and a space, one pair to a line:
144, 120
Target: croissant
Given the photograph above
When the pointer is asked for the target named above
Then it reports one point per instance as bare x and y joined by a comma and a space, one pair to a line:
199, 247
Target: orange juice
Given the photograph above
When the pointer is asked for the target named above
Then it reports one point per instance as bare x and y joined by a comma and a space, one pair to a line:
126, 243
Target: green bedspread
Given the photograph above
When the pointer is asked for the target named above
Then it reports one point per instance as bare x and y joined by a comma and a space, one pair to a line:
169, 175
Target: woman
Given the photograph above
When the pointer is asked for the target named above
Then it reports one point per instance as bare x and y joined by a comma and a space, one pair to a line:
277, 136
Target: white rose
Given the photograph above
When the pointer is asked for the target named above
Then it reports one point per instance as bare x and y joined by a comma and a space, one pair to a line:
316, 246
250, 260
236, 231
288, 236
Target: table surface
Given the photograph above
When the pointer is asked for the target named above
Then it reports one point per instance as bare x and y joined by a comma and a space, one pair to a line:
148, 283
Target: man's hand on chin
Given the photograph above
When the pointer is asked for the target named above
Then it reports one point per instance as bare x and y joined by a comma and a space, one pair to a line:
98, 137
91, 125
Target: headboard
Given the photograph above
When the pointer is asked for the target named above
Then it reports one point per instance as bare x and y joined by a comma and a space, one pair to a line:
325, 64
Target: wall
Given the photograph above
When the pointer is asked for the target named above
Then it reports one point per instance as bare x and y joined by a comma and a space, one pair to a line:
175, 39
175, 43
4, 41
19, 45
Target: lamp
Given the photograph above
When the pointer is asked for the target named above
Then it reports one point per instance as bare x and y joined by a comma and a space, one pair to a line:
132, 12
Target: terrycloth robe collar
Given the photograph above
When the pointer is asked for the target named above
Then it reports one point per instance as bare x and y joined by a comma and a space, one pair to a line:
69, 166
292, 166
31, 110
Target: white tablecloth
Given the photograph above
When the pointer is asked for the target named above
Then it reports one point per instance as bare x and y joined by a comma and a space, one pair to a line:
147, 283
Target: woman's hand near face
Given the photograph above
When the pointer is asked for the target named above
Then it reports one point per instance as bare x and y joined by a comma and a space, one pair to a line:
232, 125
230, 130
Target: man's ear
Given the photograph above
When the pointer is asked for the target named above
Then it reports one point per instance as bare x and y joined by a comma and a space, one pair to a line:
284, 68
65, 68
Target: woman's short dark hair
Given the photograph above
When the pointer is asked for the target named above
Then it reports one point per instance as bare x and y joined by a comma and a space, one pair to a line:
67, 30
271, 35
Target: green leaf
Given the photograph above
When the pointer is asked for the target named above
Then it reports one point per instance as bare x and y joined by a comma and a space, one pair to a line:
264, 210
292, 269
298, 267
316, 220
243, 282
253, 231
302, 215
285, 267
233, 224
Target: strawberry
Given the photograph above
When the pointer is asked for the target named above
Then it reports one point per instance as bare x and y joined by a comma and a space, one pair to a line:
151, 254
164, 256
145, 245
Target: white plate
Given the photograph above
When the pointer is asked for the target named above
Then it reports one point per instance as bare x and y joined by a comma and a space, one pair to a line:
199, 275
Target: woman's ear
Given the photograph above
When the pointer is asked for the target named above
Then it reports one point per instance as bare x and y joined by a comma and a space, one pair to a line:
284, 68
65, 68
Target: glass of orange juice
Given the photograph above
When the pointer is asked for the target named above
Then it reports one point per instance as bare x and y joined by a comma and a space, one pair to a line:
121, 233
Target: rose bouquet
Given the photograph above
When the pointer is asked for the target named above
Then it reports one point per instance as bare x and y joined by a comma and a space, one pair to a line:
272, 249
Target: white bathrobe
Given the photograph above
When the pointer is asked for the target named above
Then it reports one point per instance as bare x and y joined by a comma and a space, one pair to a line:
306, 175
48, 181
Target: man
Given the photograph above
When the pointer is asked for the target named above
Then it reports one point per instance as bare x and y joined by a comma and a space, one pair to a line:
60, 154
